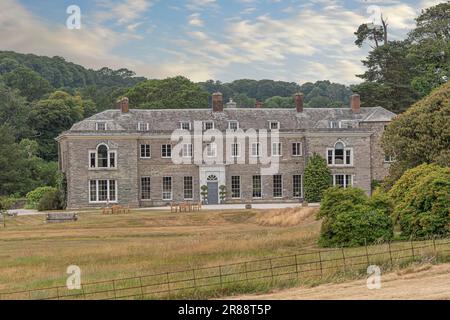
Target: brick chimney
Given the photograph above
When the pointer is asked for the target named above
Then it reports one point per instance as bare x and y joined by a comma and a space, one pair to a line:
124, 105
258, 104
355, 103
298, 98
217, 102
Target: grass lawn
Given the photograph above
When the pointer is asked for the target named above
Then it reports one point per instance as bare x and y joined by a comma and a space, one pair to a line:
34, 254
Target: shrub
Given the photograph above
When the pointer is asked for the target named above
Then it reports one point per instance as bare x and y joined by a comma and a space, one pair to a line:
35, 196
317, 178
423, 207
51, 200
352, 219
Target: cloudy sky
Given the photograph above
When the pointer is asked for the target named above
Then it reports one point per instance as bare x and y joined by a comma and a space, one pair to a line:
287, 40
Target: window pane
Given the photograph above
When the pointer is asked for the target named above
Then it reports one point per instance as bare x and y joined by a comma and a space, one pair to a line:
277, 186
166, 151
145, 188
235, 150
297, 185
93, 189
348, 180
255, 149
102, 190
102, 156
235, 186
188, 188
339, 156
330, 156
348, 157
112, 190
296, 150
339, 180
256, 187
93, 160
167, 188
112, 160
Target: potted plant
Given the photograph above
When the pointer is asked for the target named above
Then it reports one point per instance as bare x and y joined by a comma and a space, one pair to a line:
204, 194
222, 193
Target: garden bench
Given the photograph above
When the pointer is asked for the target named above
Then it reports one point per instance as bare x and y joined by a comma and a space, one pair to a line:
61, 217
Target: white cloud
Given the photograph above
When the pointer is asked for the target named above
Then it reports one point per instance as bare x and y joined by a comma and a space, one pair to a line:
126, 13
197, 5
195, 20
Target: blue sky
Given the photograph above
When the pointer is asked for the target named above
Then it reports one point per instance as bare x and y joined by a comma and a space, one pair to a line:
287, 40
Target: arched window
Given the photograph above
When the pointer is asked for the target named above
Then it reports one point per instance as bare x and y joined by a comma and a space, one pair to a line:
102, 157
212, 178
340, 155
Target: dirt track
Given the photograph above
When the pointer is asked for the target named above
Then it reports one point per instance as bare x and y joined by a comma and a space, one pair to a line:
425, 282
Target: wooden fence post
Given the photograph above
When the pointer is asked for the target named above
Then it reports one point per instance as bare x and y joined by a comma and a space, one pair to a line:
320, 263
390, 253
296, 266
434, 246
367, 253
412, 250
142, 289
271, 269
343, 258
114, 289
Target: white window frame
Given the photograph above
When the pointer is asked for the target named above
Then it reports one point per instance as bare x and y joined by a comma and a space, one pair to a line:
253, 186
332, 122
333, 156
301, 186
272, 122
258, 149
171, 189
233, 121
150, 188
95, 153
107, 190
184, 187
211, 147
389, 158
299, 149
101, 122
345, 179
147, 126
238, 150
149, 151
162, 146
185, 122
273, 186
204, 125
187, 150
278, 148
240, 187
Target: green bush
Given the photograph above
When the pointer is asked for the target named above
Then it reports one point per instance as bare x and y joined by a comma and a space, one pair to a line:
317, 178
51, 200
422, 201
35, 196
350, 218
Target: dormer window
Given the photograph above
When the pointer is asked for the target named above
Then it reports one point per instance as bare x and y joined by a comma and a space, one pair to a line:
100, 126
335, 124
142, 126
340, 155
185, 125
103, 157
233, 125
208, 125
274, 125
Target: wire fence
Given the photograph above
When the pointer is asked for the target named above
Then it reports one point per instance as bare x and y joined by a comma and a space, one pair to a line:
247, 276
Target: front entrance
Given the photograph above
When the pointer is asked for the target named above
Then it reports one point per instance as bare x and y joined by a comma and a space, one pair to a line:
213, 193
213, 189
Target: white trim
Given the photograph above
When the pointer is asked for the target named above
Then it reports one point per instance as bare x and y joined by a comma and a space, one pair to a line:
107, 190
240, 187
101, 122
280, 149
165, 157
238, 150
149, 151
184, 122
212, 147
333, 157
140, 188
274, 121
300, 148
258, 150
233, 121
171, 188
184, 189
274, 188
261, 186
190, 150
108, 162
345, 182
301, 186
208, 121
147, 126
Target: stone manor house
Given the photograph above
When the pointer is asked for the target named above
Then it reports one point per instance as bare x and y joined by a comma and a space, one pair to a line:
126, 156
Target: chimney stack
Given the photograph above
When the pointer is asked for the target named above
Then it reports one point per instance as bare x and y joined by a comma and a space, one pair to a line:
217, 102
124, 105
298, 98
355, 103
258, 105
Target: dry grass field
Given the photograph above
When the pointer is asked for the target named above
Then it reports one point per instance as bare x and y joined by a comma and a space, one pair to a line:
34, 254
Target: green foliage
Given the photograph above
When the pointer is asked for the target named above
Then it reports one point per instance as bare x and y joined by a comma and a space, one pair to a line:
35, 196
422, 201
317, 178
421, 134
350, 218
204, 192
279, 102
30, 84
14, 111
52, 116
51, 200
177, 92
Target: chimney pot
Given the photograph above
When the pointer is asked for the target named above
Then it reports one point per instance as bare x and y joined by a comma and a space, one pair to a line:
124, 105
298, 98
217, 102
355, 103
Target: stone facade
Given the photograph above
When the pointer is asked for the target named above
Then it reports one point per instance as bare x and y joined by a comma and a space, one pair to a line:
123, 131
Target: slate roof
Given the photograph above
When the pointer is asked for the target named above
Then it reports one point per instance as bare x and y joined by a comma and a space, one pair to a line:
167, 120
